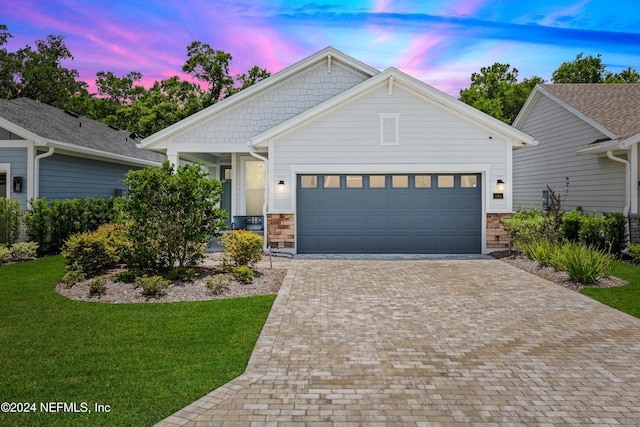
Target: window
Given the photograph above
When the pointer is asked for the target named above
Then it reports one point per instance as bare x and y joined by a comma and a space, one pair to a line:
377, 181
332, 181
309, 181
354, 181
423, 181
445, 181
468, 181
400, 181
389, 128
254, 179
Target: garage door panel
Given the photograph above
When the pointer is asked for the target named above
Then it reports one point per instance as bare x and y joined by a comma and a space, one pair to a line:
389, 220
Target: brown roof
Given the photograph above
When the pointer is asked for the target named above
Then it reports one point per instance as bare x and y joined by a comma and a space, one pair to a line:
614, 106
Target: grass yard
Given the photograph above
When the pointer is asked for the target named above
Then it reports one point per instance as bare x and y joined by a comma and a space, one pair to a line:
145, 361
624, 298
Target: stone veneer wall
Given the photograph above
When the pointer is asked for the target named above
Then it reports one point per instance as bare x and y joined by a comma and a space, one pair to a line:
281, 231
497, 234
634, 228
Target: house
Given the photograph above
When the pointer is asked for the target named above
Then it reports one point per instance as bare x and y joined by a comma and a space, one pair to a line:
57, 154
342, 158
587, 136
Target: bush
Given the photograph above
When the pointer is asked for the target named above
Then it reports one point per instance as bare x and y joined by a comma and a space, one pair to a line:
152, 286
241, 247
544, 252
218, 283
571, 224
10, 219
95, 251
591, 230
98, 286
584, 264
615, 229
5, 254
170, 216
242, 274
634, 252
73, 275
527, 227
24, 250
127, 276
182, 273
51, 222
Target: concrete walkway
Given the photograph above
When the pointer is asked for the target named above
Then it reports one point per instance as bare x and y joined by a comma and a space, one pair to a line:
436, 342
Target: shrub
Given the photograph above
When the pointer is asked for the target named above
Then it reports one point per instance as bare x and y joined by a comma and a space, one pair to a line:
544, 252
634, 252
571, 224
526, 227
10, 219
170, 216
152, 286
218, 283
127, 276
182, 273
24, 250
242, 274
591, 229
95, 251
615, 228
98, 286
241, 247
5, 254
51, 222
73, 275
585, 264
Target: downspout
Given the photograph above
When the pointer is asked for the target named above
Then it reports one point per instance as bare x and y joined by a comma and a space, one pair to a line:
36, 172
266, 193
627, 187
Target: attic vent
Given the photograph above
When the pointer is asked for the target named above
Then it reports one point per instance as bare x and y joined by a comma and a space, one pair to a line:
72, 114
389, 128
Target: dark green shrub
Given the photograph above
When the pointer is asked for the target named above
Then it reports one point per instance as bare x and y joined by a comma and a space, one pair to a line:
38, 225
571, 224
242, 274
585, 264
527, 227
218, 283
615, 230
170, 216
152, 286
24, 250
634, 252
98, 286
10, 220
95, 251
591, 229
5, 254
241, 247
127, 276
182, 273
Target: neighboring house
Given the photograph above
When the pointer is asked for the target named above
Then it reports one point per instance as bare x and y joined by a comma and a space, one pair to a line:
342, 158
52, 153
589, 134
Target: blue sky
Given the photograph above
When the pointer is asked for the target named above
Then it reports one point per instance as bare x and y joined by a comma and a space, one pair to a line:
439, 42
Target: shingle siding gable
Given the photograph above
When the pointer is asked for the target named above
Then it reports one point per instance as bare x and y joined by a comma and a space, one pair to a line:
278, 104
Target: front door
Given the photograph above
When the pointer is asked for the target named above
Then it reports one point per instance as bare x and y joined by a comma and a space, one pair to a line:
225, 200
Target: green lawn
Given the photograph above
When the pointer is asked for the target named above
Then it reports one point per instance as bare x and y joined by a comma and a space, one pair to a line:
624, 298
145, 361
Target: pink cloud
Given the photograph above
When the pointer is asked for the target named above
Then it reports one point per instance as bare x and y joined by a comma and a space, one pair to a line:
415, 55
464, 7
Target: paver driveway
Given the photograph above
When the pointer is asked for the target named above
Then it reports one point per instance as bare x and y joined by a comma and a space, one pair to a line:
468, 342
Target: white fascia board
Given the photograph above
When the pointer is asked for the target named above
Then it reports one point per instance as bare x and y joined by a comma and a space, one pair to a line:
627, 143
209, 148
527, 107
20, 131
98, 154
602, 147
254, 90
514, 136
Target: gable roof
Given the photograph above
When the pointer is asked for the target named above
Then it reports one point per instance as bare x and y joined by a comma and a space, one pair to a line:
392, 76
51, 126
611, 108
154, 141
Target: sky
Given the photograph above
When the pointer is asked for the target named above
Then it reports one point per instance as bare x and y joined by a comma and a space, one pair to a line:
437, 41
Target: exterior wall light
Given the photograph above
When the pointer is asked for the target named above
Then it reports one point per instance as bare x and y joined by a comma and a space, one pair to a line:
500, 185
281, 182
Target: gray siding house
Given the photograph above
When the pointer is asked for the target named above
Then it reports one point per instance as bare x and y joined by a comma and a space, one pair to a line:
334, 156
52, 153
588, 133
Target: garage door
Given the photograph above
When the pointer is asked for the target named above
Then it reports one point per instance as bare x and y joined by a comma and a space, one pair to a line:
416, 213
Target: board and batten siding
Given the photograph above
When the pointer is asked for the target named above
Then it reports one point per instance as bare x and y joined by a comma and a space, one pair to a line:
17, 158
595, 182
279, 103
350, 136
68, 177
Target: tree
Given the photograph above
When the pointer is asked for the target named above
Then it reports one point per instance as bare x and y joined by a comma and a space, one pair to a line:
497, 92
119, 90
211, 67
253, 76
630, 75
170, 214
580, 70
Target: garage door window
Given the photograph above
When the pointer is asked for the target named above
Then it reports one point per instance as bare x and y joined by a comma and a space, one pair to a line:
445, 181
377, 181
400, 181
423, 181
468, 181
309, 181
354, 181
332, 181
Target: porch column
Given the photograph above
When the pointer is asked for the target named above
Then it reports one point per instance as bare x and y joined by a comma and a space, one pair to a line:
174, 158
